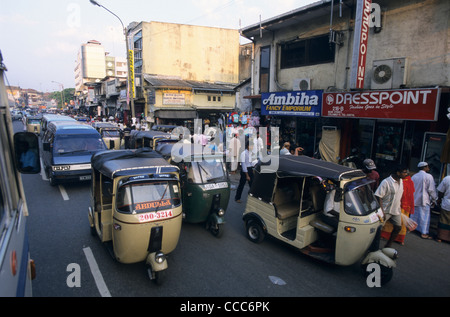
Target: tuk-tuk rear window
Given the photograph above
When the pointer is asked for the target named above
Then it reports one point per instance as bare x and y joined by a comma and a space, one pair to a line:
139, 197
111, 133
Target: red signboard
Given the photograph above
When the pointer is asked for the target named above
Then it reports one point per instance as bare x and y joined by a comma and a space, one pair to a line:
358, 70
404, 104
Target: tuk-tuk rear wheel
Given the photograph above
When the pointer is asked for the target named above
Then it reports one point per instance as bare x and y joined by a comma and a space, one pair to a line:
255, 232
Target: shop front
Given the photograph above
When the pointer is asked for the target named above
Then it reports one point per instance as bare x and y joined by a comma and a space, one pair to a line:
297, 115
392, 127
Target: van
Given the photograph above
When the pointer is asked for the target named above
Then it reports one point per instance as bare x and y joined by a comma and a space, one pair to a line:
46, 119
67, 150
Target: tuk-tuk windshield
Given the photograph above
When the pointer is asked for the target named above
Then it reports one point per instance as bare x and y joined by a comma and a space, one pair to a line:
360, 200
139, 197
71, 143
207, 171
111, 133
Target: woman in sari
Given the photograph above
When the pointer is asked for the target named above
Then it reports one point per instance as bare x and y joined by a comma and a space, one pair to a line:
407, 206
443, 231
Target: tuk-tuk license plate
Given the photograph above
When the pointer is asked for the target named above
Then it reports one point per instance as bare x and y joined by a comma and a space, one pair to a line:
85, 178
151, 216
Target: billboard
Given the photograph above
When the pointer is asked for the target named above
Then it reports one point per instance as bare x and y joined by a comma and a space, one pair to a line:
404, 104
292, 103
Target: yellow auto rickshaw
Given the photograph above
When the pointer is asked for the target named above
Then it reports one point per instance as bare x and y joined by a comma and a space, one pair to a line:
327, 211
110, 134
136, 207
33, 124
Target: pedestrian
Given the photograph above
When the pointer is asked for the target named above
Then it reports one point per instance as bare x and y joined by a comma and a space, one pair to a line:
407, 208
234, 149
443, 231
246, 171
424, 196
389, 195
369, 168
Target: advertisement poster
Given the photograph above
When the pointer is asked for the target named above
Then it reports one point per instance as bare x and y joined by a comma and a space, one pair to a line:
292, 103
404, 104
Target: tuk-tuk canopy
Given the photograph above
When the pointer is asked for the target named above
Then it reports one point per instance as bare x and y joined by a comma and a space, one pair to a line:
291, 166
187, 152
130, 162
296, 166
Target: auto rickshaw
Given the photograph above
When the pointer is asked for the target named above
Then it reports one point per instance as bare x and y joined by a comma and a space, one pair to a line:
136, 207
33, 124
205, 184
110, 134
150, 139
287, 200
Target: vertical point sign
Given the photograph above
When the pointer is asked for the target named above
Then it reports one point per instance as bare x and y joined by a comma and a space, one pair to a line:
131, 70
363, 11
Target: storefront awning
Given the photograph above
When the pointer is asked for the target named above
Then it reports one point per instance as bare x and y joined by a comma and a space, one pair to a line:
176, 114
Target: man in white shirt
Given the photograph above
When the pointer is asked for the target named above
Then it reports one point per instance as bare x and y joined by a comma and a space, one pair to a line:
424, 196
389, 194
246, 171
443, 230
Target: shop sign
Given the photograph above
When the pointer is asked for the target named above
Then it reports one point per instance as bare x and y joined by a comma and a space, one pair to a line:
174, 99
292, 103
404, 104
360, 41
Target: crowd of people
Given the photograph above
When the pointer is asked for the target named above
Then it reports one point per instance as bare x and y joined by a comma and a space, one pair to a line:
406, 199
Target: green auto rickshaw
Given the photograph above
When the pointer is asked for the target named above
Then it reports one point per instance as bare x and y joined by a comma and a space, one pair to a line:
205, 185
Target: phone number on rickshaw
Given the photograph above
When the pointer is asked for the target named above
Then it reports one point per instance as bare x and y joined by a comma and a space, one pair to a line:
150, 216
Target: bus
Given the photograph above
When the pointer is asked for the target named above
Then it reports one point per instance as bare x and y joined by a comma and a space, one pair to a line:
19, 154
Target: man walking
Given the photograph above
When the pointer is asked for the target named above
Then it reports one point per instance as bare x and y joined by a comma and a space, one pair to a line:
389, 194
424, 196
246, 171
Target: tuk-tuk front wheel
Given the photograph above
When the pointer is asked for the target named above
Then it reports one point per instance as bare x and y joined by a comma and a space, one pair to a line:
255, 232
156, 276
386, 273
215, 228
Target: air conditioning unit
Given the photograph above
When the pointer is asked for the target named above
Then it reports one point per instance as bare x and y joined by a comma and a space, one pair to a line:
389, 73
301, 84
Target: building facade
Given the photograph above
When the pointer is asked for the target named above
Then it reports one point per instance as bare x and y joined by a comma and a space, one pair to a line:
183, 72
373, 75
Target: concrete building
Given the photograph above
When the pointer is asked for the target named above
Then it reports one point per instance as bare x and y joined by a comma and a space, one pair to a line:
99, 79
183, 72
342, 56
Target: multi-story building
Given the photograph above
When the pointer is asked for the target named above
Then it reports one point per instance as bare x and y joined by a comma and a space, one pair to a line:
95, 73
374, 76
183, 72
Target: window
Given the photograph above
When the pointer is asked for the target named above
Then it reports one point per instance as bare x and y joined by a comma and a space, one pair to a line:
311, 51
264, 69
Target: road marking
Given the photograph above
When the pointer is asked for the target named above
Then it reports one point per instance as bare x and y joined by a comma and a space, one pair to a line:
64, 194
102, 288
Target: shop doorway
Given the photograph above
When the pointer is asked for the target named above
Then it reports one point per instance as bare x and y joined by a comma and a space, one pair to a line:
433, 143
388, 140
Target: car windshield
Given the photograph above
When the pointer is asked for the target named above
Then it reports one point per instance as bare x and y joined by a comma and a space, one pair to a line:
71, 143
207, 171
139, 197
360, 200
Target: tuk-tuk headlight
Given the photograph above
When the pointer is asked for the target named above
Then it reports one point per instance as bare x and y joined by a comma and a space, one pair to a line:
160, 257
221, 212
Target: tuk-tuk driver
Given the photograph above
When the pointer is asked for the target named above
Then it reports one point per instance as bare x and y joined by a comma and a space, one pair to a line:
331, 207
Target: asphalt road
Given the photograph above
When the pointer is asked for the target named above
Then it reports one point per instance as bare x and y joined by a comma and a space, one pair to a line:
203, 266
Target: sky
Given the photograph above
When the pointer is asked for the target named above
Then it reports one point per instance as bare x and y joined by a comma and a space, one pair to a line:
40, 39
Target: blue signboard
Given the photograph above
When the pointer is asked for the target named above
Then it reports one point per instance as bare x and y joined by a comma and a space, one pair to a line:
306, 103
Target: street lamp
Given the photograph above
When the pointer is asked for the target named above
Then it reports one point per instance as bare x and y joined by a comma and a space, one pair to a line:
128, 58
62, 93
